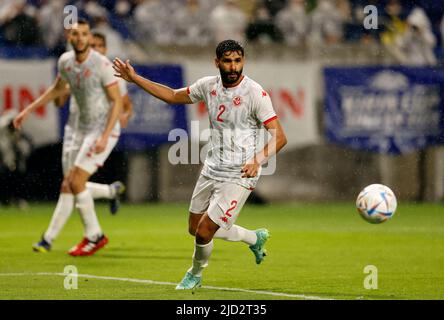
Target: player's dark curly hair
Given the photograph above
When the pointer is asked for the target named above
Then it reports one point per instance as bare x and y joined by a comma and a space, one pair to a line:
228, 45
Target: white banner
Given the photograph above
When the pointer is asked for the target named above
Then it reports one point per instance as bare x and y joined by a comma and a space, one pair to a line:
21, 82
292, 88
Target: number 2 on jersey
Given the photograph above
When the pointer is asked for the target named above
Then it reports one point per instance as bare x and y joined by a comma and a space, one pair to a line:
221, 111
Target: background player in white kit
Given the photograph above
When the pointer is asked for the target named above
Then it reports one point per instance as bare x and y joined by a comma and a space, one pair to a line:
237, 106
94, 87
98, 43
71, 146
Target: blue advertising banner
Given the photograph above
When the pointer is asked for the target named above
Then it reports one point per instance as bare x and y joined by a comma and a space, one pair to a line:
152, 118
391, 110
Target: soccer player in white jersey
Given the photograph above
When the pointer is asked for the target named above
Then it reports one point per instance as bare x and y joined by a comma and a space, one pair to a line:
98, 191
90, 77
71, 147
98, 43
237, 106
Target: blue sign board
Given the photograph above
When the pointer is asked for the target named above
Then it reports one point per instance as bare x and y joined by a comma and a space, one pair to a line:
391, 110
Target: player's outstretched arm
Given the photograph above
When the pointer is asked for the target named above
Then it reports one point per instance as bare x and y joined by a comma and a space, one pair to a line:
277, 142
56, 90
126, 71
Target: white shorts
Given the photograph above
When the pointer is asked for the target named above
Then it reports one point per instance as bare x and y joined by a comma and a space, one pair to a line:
222, 200
78, 150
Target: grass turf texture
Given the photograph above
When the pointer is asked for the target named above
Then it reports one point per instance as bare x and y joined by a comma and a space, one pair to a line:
315, 250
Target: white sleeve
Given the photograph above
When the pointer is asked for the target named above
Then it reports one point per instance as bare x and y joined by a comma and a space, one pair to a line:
264, 108
107, 77
196, 91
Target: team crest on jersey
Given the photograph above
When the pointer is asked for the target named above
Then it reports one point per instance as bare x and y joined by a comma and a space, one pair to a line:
237, 101
213, 93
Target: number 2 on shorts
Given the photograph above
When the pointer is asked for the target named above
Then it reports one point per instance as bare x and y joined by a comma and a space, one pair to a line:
233, 206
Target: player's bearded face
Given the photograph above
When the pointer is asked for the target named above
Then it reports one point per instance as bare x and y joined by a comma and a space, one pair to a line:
81, 47
231, 76
230, 67
80, 38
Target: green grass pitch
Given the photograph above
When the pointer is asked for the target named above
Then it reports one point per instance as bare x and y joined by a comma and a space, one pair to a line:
316, 251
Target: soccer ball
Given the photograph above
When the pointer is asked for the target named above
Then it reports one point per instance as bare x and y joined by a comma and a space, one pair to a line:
376, 203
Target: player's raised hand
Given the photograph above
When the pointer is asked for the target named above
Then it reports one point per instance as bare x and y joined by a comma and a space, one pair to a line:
124, 70
19, 119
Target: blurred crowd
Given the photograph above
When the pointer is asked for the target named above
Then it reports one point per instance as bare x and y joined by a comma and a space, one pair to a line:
412, 30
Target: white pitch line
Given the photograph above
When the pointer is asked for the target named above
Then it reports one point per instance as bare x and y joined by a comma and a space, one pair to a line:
146, 281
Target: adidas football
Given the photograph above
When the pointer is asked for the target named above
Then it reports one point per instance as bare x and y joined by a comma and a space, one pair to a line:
376, 203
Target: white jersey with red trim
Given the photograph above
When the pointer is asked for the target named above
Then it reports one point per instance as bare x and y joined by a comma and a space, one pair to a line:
73, 117
87, 82
236, 114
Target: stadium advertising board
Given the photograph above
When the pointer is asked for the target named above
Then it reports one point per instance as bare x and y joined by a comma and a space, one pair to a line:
390, 110
21, 82
292, 88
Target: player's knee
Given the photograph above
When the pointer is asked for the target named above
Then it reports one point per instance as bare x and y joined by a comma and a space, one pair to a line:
193, 222
76, 185
202, 238
203, 235
192, 230
65, 188
77, 180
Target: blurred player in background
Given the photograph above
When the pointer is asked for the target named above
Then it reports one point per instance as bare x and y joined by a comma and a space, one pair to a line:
92, 134
71, 149
98, 43
237, 107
